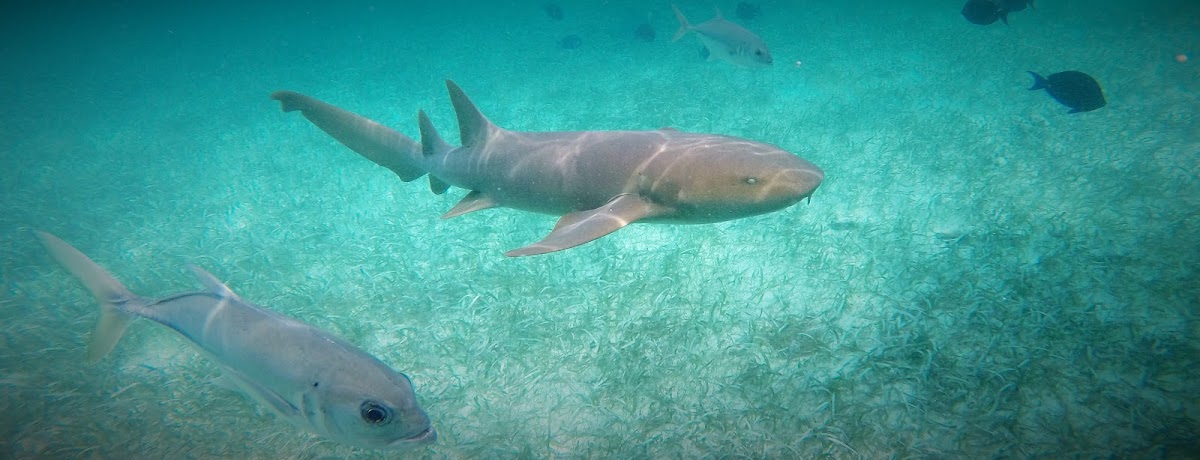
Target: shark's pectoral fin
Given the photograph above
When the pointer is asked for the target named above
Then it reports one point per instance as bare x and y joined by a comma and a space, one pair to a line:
474, 201
581, 227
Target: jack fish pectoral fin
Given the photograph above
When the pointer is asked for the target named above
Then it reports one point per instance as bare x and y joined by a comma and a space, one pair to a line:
581, 227
233, 380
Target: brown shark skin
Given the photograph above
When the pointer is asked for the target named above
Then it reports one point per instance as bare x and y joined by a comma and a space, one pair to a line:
563, 172
598, 181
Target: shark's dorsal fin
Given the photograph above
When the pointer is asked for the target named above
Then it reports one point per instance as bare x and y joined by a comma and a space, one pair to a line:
431, 141
473, 127
211, 282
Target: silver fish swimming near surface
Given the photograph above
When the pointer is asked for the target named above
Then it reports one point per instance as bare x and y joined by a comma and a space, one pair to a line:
597, 181
726, 41
305, 375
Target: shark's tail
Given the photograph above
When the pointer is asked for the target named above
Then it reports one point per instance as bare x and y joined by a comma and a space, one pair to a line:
684, 26
116, 302
368, 138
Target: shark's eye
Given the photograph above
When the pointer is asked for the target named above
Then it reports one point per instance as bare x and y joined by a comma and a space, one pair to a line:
758, 53
751, 180
373, 413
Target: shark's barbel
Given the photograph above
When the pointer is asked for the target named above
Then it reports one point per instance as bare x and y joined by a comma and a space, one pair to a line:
303, 374
598, 181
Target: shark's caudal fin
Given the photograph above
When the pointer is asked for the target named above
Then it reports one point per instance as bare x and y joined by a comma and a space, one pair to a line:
368, 138
474, 129
115, 300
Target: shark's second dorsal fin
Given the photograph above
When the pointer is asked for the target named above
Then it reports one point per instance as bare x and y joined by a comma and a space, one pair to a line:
211, 283
431, 142
473, 127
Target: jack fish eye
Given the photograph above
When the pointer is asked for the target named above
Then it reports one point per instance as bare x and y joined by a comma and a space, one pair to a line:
373, 413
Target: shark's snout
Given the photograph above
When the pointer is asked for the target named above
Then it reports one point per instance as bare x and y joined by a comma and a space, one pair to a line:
794, 184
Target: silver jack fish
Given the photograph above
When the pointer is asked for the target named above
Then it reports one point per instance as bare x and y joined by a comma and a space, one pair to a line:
726, 41
317, 381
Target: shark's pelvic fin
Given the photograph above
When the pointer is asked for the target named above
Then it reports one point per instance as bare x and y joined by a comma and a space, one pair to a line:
474, 201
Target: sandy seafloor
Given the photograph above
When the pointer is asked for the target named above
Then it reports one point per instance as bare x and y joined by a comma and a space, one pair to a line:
981, 275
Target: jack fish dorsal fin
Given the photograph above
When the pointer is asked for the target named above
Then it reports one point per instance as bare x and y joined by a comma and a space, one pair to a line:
473, 128
581, 227
211, 282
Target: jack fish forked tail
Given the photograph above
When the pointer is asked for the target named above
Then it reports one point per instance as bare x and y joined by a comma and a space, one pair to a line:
597, 181
304, 375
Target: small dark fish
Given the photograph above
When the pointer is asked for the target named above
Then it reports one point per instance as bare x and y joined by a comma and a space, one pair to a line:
644, 32
748, 11
984, 12
1076, 90
570, 42
1015, 5
553, 10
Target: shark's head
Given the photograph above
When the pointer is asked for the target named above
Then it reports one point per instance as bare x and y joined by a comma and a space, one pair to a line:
372, 407
722, 178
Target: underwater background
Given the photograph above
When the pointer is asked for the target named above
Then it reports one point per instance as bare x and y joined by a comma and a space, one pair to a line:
981, 274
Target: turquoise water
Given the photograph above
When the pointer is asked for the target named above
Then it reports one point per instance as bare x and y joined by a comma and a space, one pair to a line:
980, 275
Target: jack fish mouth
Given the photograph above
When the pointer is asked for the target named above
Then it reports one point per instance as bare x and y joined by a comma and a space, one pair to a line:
427, 436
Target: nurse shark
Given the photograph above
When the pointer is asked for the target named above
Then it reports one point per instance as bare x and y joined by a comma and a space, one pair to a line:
597, 181
304, 375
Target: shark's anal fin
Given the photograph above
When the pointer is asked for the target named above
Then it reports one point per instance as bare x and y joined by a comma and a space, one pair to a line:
581, 227
437, 186
474, 201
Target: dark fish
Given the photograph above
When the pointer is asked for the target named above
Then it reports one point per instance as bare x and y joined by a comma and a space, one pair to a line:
570, 42
748, 11
645, 32
1015, 5
553, 10
984, 12
1076, 90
